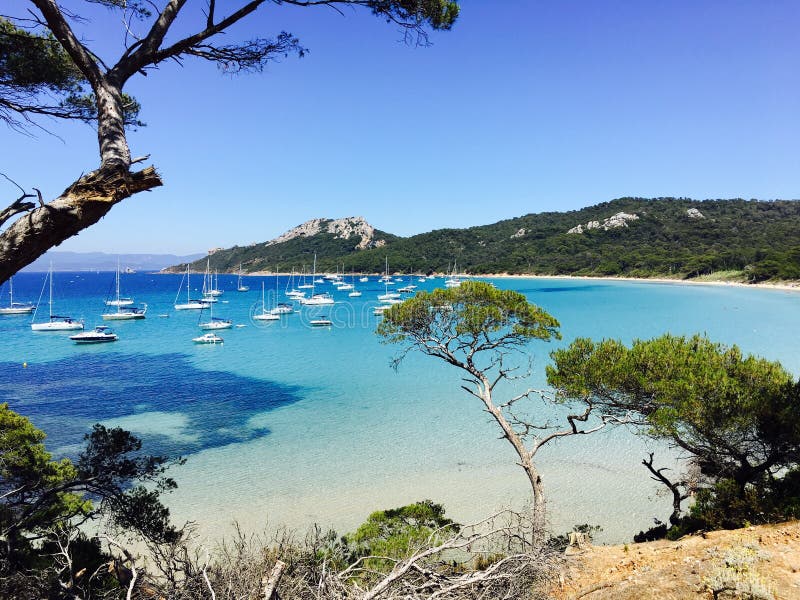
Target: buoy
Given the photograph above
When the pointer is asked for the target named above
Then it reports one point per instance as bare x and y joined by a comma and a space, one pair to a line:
24, 365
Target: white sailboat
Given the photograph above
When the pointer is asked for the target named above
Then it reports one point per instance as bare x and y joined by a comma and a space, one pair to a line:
355, 293
214, 322
453, 280
304, 285
316, 299
387, 281
213, 288
190, 303
56, 322
16, 308
124, 311
239, 286
266, 315
119, 300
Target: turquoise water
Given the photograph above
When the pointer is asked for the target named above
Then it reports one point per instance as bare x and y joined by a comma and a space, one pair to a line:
285, 424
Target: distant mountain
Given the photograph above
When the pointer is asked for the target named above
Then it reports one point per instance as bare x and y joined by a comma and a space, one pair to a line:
675, 237
100, 261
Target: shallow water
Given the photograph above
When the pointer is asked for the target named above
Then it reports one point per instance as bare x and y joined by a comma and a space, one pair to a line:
285, 424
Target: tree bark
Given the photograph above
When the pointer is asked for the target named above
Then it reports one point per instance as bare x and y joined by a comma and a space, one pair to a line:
525, 461
82, 204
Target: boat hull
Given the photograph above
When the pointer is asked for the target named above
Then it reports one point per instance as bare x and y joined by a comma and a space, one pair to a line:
57, 326
17, 311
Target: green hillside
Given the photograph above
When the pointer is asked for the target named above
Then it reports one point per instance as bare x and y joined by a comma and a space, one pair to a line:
758, 240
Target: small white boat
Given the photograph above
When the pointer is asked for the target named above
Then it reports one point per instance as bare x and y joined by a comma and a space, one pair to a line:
363, 279
379, 310
215, 322
101, 334
282, 308
295, 294
266, 315
190, 304
16, 308
388, 296
354, 294
239, 286
208, 338
321, 322
119, 300
56, 322
317, 300
408, 289
126, 313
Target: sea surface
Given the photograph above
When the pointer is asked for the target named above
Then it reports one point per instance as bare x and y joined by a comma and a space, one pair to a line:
285, 424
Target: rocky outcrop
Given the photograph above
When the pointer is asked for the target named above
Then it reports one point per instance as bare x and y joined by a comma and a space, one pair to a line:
618, 220
519, 233
693, 213
340, 228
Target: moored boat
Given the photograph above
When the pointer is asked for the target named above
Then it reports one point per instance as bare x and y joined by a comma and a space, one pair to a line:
99, 335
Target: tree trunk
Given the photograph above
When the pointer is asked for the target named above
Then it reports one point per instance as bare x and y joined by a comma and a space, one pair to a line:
82, 204
114, 151
525, 461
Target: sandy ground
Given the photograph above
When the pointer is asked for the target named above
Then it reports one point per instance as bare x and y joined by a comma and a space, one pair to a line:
764, 560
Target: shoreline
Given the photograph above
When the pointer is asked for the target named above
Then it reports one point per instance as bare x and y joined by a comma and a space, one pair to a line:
786, 286
789, 285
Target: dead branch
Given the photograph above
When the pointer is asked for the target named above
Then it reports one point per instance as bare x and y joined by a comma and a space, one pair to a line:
271, 582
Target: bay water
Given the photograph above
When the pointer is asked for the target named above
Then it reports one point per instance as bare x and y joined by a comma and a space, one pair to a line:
287, 424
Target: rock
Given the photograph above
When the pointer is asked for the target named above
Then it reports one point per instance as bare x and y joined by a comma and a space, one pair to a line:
618, 220
340, 228
522, 232
693, 213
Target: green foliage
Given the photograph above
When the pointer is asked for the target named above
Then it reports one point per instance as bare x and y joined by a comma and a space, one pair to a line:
756, 239
42, 500
35, 70
738, 417
472, 318
397, 532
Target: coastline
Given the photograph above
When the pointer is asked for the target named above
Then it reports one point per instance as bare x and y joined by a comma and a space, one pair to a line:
787, 286
791, 286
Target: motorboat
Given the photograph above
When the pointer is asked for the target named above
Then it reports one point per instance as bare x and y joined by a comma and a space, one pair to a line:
208, 338
99, 335
321, 322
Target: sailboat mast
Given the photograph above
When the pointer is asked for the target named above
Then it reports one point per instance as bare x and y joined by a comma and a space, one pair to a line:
51, 291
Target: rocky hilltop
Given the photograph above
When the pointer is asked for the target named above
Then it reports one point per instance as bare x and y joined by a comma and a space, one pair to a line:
344, 229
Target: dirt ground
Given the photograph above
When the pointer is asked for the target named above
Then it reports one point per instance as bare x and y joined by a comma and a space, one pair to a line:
757, 562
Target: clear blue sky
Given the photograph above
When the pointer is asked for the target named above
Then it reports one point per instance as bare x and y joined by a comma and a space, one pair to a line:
525, 106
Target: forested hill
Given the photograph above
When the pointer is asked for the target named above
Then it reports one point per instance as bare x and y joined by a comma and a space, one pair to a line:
628, 237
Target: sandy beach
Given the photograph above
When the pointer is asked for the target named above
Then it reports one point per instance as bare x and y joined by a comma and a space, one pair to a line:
789, 286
